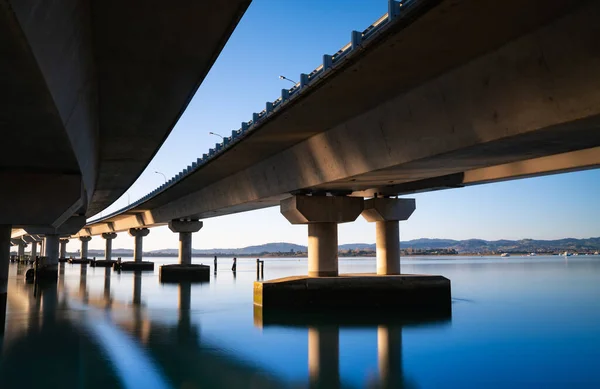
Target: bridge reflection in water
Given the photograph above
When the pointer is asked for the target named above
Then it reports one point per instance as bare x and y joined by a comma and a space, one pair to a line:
56, 337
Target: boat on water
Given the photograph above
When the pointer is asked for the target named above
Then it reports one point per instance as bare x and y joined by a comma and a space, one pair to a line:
532, 254
505, 255
567, 254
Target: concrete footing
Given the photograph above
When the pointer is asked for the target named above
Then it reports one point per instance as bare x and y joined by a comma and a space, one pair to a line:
134, 266
79, 261
188, 273
411, 293
102, 263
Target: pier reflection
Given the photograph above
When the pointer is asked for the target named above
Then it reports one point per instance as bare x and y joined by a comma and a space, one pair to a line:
71, 340
324, 347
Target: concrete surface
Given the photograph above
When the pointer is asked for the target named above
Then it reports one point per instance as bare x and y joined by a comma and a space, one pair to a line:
417, 293
82, 82
184, 273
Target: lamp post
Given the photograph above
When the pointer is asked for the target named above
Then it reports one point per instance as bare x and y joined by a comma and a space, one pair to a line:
212, 133
165, 177
287, 79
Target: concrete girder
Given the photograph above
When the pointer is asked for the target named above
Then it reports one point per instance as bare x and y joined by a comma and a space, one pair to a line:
69, 227
386, 209
185, 225
321, 209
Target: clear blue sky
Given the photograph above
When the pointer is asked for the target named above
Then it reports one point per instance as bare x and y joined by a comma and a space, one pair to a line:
289, 37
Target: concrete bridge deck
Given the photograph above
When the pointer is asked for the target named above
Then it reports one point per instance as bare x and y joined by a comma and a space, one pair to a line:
440, 94
81, 82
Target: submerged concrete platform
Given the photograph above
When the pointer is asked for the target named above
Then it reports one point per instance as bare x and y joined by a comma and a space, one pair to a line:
102, 263
187, 273
79, 261
134, 266
409, 292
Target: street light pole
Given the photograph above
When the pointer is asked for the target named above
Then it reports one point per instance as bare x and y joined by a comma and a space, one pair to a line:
165, 177
212, 133
287, 79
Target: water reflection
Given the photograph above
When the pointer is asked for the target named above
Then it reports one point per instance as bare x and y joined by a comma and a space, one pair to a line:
79, 345
323, 340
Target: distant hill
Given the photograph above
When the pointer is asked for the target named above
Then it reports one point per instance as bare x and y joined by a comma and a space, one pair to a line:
462, 246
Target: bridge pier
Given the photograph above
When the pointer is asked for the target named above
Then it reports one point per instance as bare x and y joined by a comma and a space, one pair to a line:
324, 288
138, 250
185, 270
5, 231
84, 250
108, 261
386, 213
21, 250
48, 268
34, 244
63, 250
322, 214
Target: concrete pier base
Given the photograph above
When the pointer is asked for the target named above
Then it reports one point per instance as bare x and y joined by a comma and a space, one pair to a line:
134, 266
102, 263
186, 273
411, 293
75, 261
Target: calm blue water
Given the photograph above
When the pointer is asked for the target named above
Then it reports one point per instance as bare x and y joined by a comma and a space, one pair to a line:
516, 322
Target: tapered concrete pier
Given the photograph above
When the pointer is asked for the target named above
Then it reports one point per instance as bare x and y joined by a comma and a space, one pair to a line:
324, 288
84, 250
185, 270
138, 249
322, 215
108, 261
63, 250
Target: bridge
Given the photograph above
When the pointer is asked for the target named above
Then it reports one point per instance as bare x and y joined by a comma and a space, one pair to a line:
81, 81
435, 94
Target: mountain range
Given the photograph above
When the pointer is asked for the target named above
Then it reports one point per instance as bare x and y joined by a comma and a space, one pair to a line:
461, 246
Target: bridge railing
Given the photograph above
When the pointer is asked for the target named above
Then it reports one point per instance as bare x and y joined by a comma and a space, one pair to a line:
359, 40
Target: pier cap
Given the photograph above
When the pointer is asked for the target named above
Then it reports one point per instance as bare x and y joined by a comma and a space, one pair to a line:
301, 209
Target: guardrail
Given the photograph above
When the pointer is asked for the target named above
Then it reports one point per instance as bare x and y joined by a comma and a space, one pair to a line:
396, 10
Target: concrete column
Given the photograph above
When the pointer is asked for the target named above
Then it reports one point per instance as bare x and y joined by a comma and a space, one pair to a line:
5, 231
322, 249
108, 236
84, 246
324, 357
322, 214
21, 250
389, 356
386, 214
138, 248
33, 250
185, 228
387, 242
43, 248
52, 242
63, 248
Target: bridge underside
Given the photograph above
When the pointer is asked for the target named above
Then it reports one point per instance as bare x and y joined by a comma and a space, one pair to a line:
89, 90
529, 106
